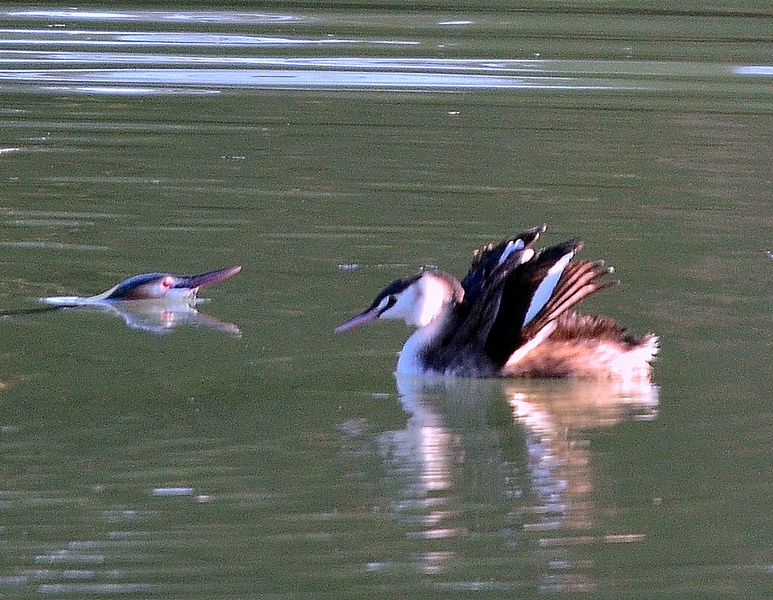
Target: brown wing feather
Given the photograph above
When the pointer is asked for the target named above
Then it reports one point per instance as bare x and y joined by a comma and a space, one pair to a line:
574, 326
587, 346
578, 281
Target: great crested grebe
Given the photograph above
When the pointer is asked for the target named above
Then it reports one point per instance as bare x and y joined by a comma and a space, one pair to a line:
162, 287
511, 316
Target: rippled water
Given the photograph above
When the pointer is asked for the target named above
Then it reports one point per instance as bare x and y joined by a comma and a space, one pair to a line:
216, 51
243, 450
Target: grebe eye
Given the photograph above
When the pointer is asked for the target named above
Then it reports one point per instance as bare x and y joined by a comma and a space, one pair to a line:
386, 303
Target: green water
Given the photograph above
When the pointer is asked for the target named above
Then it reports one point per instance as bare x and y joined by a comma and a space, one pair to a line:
284, 461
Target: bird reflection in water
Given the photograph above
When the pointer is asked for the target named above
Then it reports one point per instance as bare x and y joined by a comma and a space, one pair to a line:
505, 462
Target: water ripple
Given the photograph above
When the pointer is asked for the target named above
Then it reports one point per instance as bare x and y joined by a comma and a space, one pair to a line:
205, 73
225, 18
119, 80
183, 39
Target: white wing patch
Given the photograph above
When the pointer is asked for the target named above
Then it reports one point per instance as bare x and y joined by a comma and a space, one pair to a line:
540, 337
512, 246
545, 288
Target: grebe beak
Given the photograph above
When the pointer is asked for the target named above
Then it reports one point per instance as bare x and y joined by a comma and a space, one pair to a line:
363, 318
191, 282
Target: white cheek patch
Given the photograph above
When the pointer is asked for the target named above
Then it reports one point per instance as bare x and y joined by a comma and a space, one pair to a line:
432, 299
545, 288
401, 308
419, 304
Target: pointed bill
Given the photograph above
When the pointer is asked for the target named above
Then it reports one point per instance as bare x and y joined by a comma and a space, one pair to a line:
209, 278
363, 318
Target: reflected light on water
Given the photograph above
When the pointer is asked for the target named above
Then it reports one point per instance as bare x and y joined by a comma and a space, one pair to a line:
232, 18
756, 70
44, 37
286, 79
211, 73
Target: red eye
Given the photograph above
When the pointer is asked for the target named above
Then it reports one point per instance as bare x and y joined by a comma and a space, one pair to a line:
166, 282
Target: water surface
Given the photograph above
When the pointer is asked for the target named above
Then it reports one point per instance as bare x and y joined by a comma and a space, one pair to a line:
329, 152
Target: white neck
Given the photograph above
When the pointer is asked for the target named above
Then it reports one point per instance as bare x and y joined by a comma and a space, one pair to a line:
430, 308
410, 361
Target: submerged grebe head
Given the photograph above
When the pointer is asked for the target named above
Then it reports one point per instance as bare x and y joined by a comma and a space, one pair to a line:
158, 286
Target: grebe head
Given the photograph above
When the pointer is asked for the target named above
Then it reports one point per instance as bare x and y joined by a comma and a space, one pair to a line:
155, 286
418, 300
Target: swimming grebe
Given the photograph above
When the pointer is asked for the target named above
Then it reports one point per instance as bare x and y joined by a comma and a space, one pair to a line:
164, 287
511, 317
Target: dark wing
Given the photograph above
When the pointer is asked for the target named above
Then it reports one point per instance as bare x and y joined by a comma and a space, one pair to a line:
492, 263
537, 293
511, 294
463, 346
